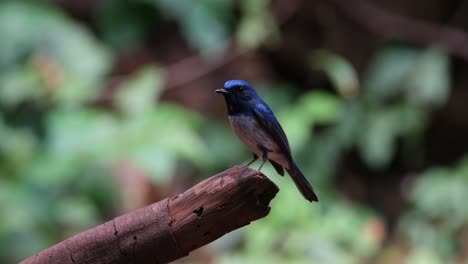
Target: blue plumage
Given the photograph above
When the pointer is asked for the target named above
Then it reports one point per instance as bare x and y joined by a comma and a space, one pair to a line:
255, 124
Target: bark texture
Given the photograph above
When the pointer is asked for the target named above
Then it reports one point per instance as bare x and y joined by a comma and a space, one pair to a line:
169, 229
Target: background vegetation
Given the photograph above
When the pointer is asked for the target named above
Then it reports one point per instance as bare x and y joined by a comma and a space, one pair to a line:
108, 105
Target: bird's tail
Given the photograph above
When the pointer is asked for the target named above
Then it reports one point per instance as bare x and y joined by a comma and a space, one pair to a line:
302, 184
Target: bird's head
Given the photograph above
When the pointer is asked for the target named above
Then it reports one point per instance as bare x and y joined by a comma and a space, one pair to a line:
237, 88
238, 95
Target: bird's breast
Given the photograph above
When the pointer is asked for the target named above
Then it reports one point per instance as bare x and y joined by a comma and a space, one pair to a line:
254, 136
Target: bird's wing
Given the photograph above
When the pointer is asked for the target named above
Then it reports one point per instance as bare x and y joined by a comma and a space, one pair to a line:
268, 121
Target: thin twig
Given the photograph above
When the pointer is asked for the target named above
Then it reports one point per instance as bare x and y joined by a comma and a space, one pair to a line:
393, 26
194, 67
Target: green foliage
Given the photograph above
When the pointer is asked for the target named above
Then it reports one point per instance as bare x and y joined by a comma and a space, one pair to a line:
124, 24
439, 213
399, 88
56, 164
422, 77
340, 71
39, 56
257, 25
314, 108
137, 95
59, 148
196, 18
206, 24
333, 231
391, 111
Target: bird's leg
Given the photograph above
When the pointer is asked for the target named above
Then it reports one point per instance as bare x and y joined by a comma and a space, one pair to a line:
255, 158
264, 158
246, 167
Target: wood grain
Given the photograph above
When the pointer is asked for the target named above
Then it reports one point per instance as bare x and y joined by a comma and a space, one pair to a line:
169, 229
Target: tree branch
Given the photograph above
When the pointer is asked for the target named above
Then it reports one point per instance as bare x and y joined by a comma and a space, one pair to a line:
171, 228
381, 22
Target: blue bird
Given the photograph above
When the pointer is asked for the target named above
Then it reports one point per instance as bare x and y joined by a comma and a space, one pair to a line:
256, 125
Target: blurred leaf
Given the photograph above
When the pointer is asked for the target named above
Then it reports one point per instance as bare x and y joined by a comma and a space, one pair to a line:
423, 77
424, 256
319, 106
223, 147
388, 72
125, 24
77, 212
429, 83
257, 25
17, 149
204, 23
330, 232
349, 123
154, 140
447, 195
205, 29
19, 84
139, 93
78, 135
377, 138
438, 212
317, 158
313, 108
30, 240
68, 58
167, 134
341, 73
413, 120
380, 127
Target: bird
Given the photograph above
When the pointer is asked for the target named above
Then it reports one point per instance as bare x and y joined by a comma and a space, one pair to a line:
257, 127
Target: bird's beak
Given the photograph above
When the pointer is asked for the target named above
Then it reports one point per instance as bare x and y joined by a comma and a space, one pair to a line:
222, 91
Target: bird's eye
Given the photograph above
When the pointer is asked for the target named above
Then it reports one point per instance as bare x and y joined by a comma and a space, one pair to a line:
241, 89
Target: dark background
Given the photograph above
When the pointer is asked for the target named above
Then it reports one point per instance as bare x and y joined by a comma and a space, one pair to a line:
106, 106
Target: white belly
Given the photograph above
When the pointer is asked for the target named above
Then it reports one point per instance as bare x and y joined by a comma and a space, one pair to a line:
253, 136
